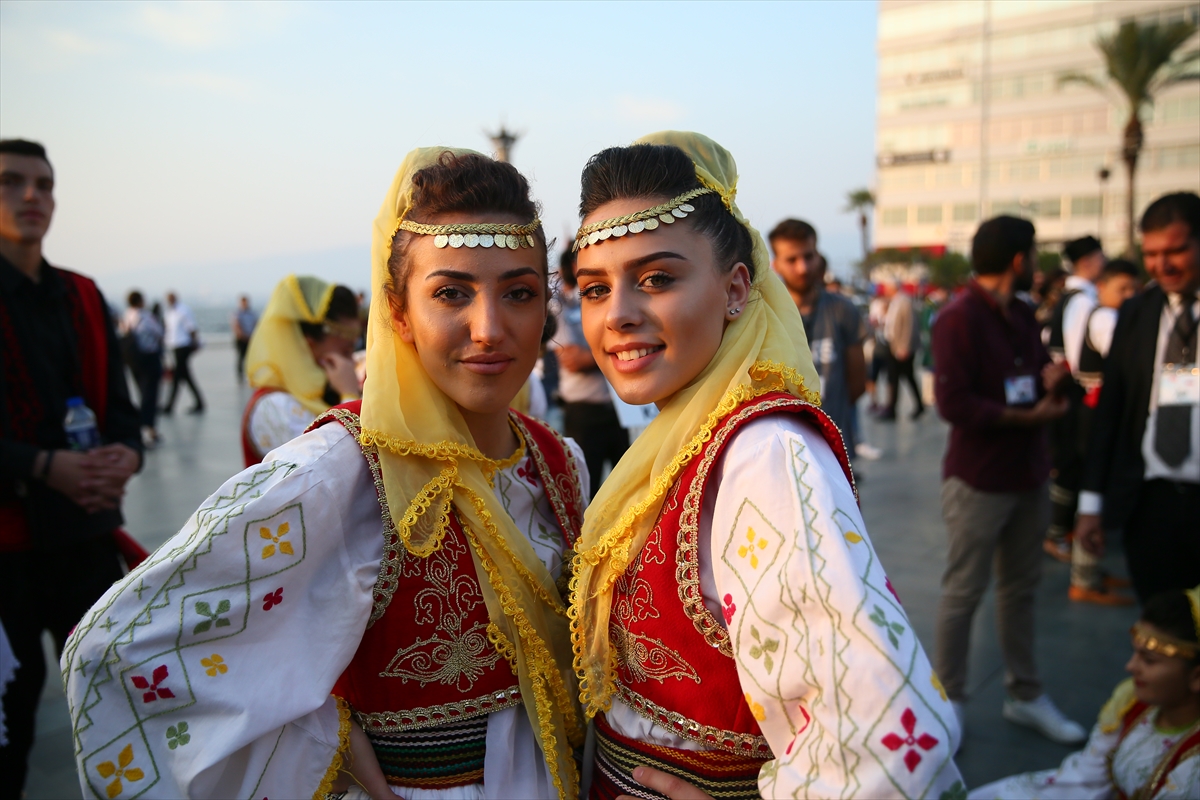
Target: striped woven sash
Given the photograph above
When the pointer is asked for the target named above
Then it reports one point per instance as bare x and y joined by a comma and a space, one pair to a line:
439, 757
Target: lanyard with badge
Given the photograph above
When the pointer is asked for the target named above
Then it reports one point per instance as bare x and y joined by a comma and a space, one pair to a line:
1179, 380
1020, 389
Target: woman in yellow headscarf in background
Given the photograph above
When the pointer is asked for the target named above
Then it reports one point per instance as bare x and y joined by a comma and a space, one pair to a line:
378, 607
733, 627
299, 361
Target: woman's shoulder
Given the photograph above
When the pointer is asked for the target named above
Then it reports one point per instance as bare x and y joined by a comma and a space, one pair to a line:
278, 402
329, 449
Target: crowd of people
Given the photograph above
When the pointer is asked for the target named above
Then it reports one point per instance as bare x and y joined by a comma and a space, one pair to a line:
418, 587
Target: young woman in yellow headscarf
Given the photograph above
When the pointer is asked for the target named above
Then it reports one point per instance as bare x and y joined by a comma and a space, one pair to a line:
400, 565
733, 627
299, 361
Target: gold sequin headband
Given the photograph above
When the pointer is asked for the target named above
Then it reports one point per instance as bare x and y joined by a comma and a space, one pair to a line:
481, 234
668, 212
1157, 642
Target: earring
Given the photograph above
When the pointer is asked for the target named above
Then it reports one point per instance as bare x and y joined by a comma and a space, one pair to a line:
735, 311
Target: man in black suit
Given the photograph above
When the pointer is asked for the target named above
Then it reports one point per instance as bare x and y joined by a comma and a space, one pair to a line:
1143, 466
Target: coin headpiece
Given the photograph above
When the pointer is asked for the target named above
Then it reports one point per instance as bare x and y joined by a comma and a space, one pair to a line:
1158, 642
476, 234
648, 220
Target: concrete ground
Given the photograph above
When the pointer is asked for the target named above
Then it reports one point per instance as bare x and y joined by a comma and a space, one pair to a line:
1081, 648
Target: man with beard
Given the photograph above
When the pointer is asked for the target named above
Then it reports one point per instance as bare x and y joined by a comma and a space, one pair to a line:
998, 388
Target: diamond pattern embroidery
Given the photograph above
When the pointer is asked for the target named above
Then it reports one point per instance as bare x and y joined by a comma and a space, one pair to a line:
276, 538
755, 543
122, 769
895, 742
155, 689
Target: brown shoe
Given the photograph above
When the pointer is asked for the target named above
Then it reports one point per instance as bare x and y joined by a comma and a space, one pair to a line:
1081, 594
1058, 549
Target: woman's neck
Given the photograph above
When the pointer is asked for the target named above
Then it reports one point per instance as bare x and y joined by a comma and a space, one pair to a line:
492, 434
1180, 716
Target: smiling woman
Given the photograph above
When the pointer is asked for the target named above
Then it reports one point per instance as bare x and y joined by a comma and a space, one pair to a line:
733, 627
377, 608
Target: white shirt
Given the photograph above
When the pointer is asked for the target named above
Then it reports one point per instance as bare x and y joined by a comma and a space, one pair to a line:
180, 325
1101, 326
1189, 470
1075, 317
809, 585
253, 688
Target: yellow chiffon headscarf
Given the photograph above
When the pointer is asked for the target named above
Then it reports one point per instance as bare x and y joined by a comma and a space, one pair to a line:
763, 350
430, 462
278, 357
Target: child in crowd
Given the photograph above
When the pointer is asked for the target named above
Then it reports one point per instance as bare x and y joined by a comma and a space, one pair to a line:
1146, 743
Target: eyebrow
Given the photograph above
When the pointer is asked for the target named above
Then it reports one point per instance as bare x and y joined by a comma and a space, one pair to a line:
472, 278
634, 264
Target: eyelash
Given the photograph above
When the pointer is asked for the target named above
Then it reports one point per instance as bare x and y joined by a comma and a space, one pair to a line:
451, 294
653, 281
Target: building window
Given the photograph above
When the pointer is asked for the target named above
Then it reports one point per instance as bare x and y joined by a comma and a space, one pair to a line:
929, 215
897, 215
1085, 206
1010, 207
965, 212
1050, 208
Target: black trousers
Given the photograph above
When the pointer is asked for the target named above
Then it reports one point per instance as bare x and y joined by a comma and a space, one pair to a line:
241, 344
43, 590
149, 376
183, 374
1162, 545
598, 431
897, 369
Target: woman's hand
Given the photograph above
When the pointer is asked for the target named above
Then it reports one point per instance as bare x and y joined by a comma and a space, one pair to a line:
339, 371
666, 784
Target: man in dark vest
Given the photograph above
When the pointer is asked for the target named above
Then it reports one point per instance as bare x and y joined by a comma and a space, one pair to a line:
59, 509
1142, 471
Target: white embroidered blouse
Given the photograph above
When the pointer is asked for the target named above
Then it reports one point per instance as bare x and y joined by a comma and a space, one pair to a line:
206, 671
826, 657
276, 419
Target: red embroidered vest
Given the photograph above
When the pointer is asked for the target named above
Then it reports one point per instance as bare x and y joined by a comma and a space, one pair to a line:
675, 662
425, 658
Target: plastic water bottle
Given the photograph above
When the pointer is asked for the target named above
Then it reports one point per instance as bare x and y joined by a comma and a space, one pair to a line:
80, 425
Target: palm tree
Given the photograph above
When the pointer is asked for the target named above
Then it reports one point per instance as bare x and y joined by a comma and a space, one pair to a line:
861, 200
1138, 60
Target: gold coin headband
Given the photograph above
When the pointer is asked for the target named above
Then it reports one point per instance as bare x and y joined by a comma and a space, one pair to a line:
668, 212
481, 234
1156, 642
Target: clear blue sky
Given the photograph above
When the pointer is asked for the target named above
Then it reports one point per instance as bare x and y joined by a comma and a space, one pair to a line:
216, 146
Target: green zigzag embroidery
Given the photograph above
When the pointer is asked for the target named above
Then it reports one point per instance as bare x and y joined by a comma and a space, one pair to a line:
232, 505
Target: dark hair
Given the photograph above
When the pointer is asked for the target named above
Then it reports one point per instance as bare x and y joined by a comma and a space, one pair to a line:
1078, 248
468, 183
1171, 613
661, 172
1171, 208
566, 267
136, 300
342, 305
793, 230
24, 147
1119, 266
998, 241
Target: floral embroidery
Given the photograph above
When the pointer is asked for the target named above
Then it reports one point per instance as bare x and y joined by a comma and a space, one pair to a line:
214, 665
644, 658
755, 543
803, 728
936, 682
276, 538
763, 649
204, 610
177, 735
121, 769
852, 537
888, 582
892, 629
154, 690
956, 792
756, 709
895, 742
272, 599
527, 473
729, 609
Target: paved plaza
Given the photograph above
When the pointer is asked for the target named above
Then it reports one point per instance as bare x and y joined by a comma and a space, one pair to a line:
1081, 648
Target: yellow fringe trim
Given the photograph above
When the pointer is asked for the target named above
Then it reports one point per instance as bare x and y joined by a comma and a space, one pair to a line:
1112, 714
615, 543
503, 646
335, 766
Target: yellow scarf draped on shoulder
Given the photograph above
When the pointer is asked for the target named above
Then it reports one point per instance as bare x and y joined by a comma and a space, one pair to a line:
763, 350
278, 357
430, 463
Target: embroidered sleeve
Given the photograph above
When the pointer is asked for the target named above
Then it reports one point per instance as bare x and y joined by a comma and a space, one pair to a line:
828, 661
206, 672
276, 419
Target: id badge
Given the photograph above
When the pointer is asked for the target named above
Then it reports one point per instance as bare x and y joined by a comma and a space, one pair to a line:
1020, 390
1179, 385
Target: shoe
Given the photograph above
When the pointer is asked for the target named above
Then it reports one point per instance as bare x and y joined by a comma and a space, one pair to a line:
196, 410
1113, 582
1101, 597
868, 452
960, 714
1045, 718
1058, 549
887, 416
918, 413
166, 410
